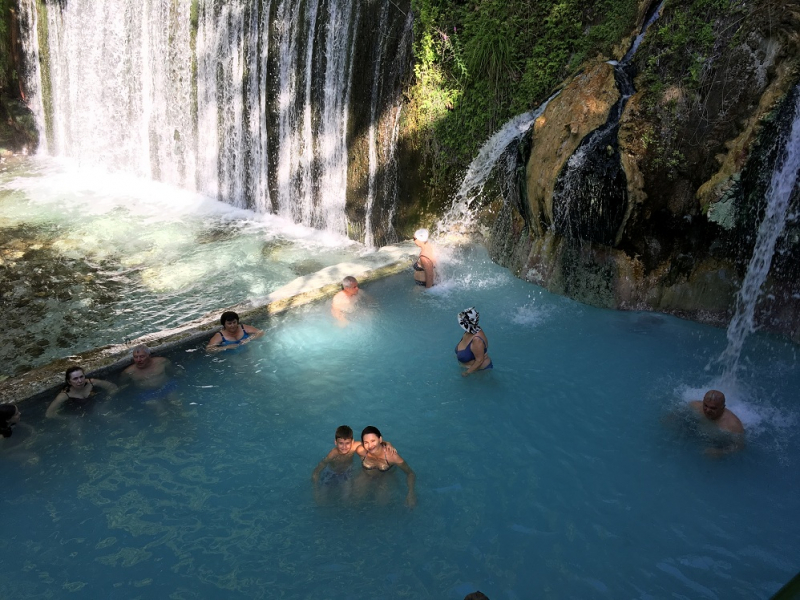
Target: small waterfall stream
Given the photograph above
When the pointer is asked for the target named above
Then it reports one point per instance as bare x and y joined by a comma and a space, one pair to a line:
575, 174
247, 101
482, 166
782, 184
590, 196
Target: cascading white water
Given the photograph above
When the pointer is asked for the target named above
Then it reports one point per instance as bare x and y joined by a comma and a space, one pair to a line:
133, 86
484, 163
783, 182
30, 47
120, 75
257, 90
332, 142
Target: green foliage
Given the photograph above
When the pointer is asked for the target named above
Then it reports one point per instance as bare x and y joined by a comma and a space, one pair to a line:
480, 62
680, 45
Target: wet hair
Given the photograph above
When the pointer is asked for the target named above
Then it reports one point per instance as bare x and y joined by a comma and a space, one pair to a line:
7, 411
70, 371
228, 315
370, 429
349, 282
715, 396
344, 432
476, 596
142, 347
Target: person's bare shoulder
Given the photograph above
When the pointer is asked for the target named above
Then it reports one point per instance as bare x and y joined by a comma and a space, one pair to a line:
732, 423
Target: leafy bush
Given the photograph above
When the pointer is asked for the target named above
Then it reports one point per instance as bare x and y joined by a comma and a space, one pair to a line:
480, 62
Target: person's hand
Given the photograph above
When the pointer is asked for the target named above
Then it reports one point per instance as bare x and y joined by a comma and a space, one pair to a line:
411, 500
389, 449
465, 373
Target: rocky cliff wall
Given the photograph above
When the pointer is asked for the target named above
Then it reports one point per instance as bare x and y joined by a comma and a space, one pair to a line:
697, 152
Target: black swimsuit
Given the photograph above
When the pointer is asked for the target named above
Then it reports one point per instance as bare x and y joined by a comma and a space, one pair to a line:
78, 404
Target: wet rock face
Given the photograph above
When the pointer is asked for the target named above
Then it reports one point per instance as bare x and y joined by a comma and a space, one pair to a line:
693, 168
18, 132
582, 107
590, 197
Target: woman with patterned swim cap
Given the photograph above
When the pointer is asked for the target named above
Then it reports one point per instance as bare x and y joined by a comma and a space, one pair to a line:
424, 273
473, 349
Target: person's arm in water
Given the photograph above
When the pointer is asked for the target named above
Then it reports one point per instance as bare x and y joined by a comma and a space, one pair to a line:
479, 351
253, 332
106, 385
170, 370
322, 464
411, 479
427, 264
337, 308
735, 444
52, 410
733, 431
214, 343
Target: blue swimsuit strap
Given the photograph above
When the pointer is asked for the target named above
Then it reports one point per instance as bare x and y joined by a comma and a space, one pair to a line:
225, 341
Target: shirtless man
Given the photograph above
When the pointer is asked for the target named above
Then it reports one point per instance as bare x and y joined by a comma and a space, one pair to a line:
712, 409
345, 302
152, 374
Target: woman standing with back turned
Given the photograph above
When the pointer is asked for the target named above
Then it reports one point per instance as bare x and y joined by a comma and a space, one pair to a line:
426, 263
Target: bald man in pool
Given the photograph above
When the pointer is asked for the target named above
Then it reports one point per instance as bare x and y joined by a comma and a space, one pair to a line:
712, 411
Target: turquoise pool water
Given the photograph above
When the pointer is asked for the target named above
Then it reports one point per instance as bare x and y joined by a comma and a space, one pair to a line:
557, 475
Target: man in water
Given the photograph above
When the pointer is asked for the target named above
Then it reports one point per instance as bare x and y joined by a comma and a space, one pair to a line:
151, 374
713, 412
345, 302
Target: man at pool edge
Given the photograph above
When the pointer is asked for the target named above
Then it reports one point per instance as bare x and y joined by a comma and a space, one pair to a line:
346, 300
712, 408
152, 374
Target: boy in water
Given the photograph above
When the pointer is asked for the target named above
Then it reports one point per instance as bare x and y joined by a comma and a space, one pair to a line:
340, 459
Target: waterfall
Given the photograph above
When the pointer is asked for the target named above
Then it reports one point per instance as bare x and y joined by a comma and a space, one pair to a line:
484, 163
332, 149
247, 101
29, 21
783, 182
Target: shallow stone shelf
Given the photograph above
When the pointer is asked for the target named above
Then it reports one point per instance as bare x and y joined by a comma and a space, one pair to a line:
46, 380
